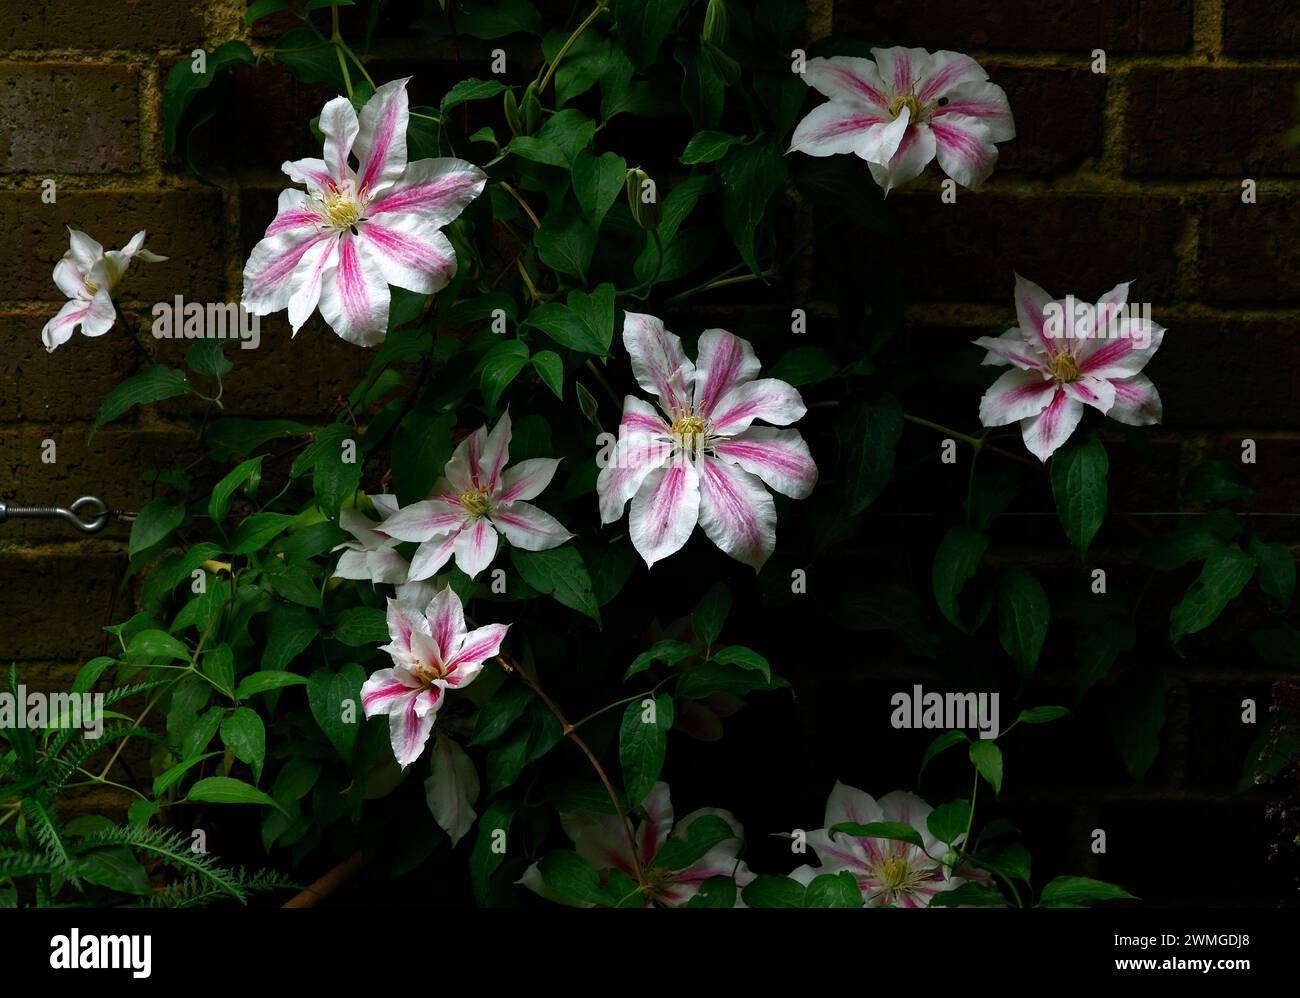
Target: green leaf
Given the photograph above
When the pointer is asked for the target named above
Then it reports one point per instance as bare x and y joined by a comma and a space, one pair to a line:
224, 790
501, 365
597, 183
289, 631
259, 530
335, 702
718, 677
470, 90
1275, 566
1042, 715
868, 432
711, 613
643, 26
1223, 576
499, 713
1074, 891
948, 822
1216, 481
986, 757
219, 504
941, 744
833, 890
1078, 473
245, 735
219, 666
153, 385
168, 778
746, 658
704, 85
897, 831
596, 308
835, 183
310, 58
708, 147
683, 850
207, 357
747, 178
486, 857
421, 447
642, 744
1023, 613
570, 131
1137, 713
566, 327
361, 625
151, 644
668, 652
158, 519
955, 563
561, 573
550, 368
570, 878
768, 891
969, 893
805, 366
268, 679
566, 243
487, 21
184, 85
715, 892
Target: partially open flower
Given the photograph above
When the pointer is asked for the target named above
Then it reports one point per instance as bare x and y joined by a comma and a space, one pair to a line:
432, 652
88, 275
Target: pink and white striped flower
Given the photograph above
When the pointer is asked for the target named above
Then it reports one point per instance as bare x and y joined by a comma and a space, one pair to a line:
601, 840
890, 873
1062, 360
477, 498
432, 653
355, 231
700, 458
370, 555
88, 276
905, 109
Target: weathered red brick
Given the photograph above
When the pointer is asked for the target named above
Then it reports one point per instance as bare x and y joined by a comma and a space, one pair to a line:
65, 601
90, 24
1260, 26
1051, 25
1249, 252
1173, 126
68, 118
64, 387
1058, 112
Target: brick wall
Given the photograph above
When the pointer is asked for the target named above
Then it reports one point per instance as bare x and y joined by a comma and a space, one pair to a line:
1134, 174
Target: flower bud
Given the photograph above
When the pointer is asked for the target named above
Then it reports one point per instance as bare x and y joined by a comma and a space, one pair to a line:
643, 198
532, 109
715, 22
511, 108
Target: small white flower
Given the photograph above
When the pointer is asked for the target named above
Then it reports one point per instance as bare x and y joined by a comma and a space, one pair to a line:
88, 275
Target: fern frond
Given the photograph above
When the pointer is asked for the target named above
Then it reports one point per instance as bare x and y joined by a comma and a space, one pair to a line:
193, 892
25, 863
170, 847
60, 770
44, 825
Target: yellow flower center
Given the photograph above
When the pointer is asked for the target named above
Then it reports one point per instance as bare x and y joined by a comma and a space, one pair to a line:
688, 426
476, 501
341, 209
92, 287
893, 873
1064, 367
427, 672
906, 101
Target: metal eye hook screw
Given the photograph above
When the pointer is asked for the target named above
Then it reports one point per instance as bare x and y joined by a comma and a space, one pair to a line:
88, 514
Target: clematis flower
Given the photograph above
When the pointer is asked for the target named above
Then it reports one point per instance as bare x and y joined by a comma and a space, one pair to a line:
601, 840
700, 458
890, 873
905, 109
432, 652
477, 498
370, 554
1062, 359
87, 275
355, 231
